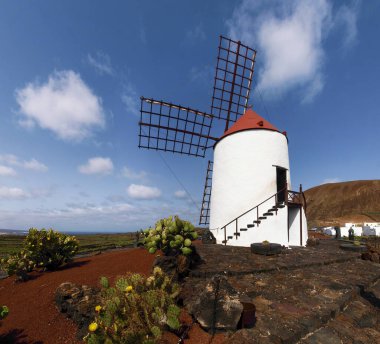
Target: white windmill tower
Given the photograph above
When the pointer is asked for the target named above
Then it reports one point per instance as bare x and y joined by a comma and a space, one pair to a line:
251, 200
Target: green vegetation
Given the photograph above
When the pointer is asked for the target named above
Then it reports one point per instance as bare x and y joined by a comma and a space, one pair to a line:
4, 311
172, 236
135, 310
46, 249
10, 244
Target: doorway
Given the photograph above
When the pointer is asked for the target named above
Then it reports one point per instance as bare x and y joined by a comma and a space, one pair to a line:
281, 184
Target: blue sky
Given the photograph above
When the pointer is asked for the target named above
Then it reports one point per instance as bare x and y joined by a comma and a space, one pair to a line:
72, 72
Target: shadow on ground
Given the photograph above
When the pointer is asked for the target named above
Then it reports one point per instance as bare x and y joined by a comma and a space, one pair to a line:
16, 336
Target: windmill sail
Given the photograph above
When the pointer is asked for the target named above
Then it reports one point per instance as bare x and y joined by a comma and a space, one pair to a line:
204, 218
233, 78
173, 128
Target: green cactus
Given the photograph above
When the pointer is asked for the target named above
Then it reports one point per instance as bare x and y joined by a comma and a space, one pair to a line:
170, 235
138, 315
4, 311
104, 282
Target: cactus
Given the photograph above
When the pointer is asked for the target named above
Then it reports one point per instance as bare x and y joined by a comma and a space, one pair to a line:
4, 311
171, 235
137, 316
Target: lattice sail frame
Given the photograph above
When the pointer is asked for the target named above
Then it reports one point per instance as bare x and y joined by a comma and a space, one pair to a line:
204, 217
233, 78
173, 128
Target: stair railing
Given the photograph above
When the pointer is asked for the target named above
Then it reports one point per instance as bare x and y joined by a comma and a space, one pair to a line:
297, 197
275, 196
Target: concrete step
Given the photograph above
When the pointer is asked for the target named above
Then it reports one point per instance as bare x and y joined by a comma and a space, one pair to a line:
268, 214
250, 225
262, 217
243, 229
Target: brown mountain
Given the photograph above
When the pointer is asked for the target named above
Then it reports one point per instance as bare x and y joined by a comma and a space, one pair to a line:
336, 203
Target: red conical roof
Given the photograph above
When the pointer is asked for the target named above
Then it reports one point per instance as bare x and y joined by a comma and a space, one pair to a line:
250, 120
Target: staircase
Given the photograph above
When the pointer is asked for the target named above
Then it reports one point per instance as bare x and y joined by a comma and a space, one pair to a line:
292, 198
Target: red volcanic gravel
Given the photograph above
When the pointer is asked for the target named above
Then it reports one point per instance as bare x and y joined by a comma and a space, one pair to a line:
33, 317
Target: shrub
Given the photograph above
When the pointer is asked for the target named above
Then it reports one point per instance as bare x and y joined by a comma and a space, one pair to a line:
50, 249
19, 264
172, 236
4, 311
135, 310
46, 249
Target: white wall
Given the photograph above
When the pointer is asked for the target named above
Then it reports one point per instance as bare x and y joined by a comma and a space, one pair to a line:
295, 227
329, 231
344, 231
367, 230
372, 224
273, 229
243, 172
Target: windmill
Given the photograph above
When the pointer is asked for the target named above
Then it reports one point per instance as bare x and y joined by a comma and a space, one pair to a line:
175, 128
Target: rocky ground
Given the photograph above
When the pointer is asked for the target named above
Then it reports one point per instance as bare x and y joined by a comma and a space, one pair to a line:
318, 294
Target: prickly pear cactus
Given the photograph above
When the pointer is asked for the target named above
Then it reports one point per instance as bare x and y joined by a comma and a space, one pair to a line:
171, 235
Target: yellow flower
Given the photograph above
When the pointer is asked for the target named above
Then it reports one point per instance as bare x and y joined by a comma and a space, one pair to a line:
149, 280
98, 308
157, 270
128, 289
93, 327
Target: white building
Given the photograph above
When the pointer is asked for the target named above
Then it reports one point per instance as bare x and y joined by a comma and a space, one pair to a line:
330, 231
251, 199
371, 229
372, 224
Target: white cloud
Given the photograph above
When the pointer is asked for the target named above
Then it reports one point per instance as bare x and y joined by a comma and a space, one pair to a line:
35, 165
32, 164
129, 173
10, 159
180, 194
64, 105
142, 34
101, 62
202, 74
331, 180
97, 165
289, 38
143, 192
12, 193
116, 198
346, 17
120, 215
93, 209
196, 33
131, 100
7, 171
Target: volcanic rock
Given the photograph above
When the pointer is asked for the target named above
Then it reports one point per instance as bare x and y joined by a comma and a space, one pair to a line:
78, 302
217, 307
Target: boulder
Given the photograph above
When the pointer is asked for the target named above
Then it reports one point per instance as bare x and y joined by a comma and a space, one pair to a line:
312, 242
78, 303
217, 307
168, 265
178, 267
208, 237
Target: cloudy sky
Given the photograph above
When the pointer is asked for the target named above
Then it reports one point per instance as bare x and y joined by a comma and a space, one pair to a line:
72, 72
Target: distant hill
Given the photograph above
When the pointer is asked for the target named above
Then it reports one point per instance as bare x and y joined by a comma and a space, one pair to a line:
336, 203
